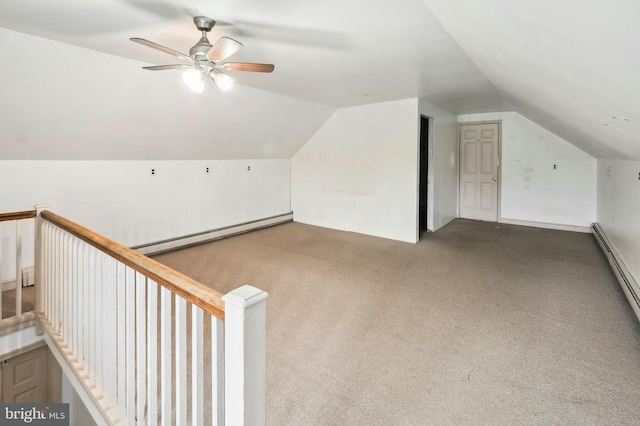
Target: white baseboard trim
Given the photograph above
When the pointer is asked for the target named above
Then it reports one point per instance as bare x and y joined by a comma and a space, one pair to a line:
556, 226
212, 235
627, 281
27, 279
8, 285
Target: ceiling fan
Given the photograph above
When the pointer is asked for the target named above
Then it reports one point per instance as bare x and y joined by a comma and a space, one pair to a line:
205, 59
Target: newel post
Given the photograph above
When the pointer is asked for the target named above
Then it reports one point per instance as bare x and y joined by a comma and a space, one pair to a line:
245, 356
37, 265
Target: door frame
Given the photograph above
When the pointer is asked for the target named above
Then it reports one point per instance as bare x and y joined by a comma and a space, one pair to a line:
498, 165
430, 174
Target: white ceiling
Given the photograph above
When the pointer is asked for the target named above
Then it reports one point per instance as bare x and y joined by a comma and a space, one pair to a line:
85, 105
336, 52
570, 66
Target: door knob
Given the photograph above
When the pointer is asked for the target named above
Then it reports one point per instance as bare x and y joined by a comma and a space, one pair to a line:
494, 178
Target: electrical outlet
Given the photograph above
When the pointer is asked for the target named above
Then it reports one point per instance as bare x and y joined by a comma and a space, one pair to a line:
153, 172
555, 167
207, 170
248, 168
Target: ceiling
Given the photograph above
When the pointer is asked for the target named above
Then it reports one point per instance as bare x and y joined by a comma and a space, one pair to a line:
572, 67
572, 70
336, 52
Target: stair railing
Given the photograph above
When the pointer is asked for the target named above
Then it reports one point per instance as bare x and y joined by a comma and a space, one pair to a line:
142, 343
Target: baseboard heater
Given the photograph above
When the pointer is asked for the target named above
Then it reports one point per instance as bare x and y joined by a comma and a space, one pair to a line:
212, 235
622, 273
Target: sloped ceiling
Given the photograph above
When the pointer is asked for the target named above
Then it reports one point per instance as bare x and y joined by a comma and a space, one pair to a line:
572, 67
60, 102
335, 52
76, 89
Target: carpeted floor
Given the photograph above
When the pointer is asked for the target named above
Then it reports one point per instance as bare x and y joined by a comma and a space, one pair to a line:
478, 323
9, 301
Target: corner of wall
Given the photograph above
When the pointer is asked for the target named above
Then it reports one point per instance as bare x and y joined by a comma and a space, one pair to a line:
358, 172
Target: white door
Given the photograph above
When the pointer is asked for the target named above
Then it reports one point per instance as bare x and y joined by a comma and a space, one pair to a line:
25, 377
479, 171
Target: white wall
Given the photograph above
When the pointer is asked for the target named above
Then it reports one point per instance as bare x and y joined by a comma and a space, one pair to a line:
123, 201
18, 339
358, 172
619, 207
531, 190
443, 166
78, 413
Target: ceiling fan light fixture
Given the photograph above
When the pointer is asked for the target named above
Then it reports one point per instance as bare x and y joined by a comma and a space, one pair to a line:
205, 59
193, 79
223, 81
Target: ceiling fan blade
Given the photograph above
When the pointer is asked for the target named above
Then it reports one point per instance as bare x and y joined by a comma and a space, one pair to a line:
223, 48
161, 48
243, 66
167, 67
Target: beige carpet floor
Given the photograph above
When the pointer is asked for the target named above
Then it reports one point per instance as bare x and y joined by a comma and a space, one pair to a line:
9, 301
478, 323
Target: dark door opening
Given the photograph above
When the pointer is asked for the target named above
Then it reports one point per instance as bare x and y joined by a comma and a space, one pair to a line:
424, 174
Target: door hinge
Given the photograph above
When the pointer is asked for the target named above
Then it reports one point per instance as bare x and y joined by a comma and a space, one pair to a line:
4, 363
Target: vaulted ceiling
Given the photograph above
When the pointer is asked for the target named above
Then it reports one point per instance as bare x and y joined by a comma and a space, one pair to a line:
570, 66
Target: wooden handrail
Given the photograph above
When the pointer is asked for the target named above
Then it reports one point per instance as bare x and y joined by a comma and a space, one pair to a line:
193, 291
17, 215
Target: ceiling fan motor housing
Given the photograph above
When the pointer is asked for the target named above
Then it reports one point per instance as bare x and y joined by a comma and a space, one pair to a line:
203, 46
200, 49
203, 23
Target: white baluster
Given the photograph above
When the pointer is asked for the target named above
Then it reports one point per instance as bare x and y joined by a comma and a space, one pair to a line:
91, 314
64, 308
109, 321
141, 315
72, 307
48, 285
63, 285
166, 359
121, 327
18, 268
42, 263
99, 305
217, 371
81, 331
197, 365
41, 267
152, 351
60, 285
86, 303
131, 348
181, 360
